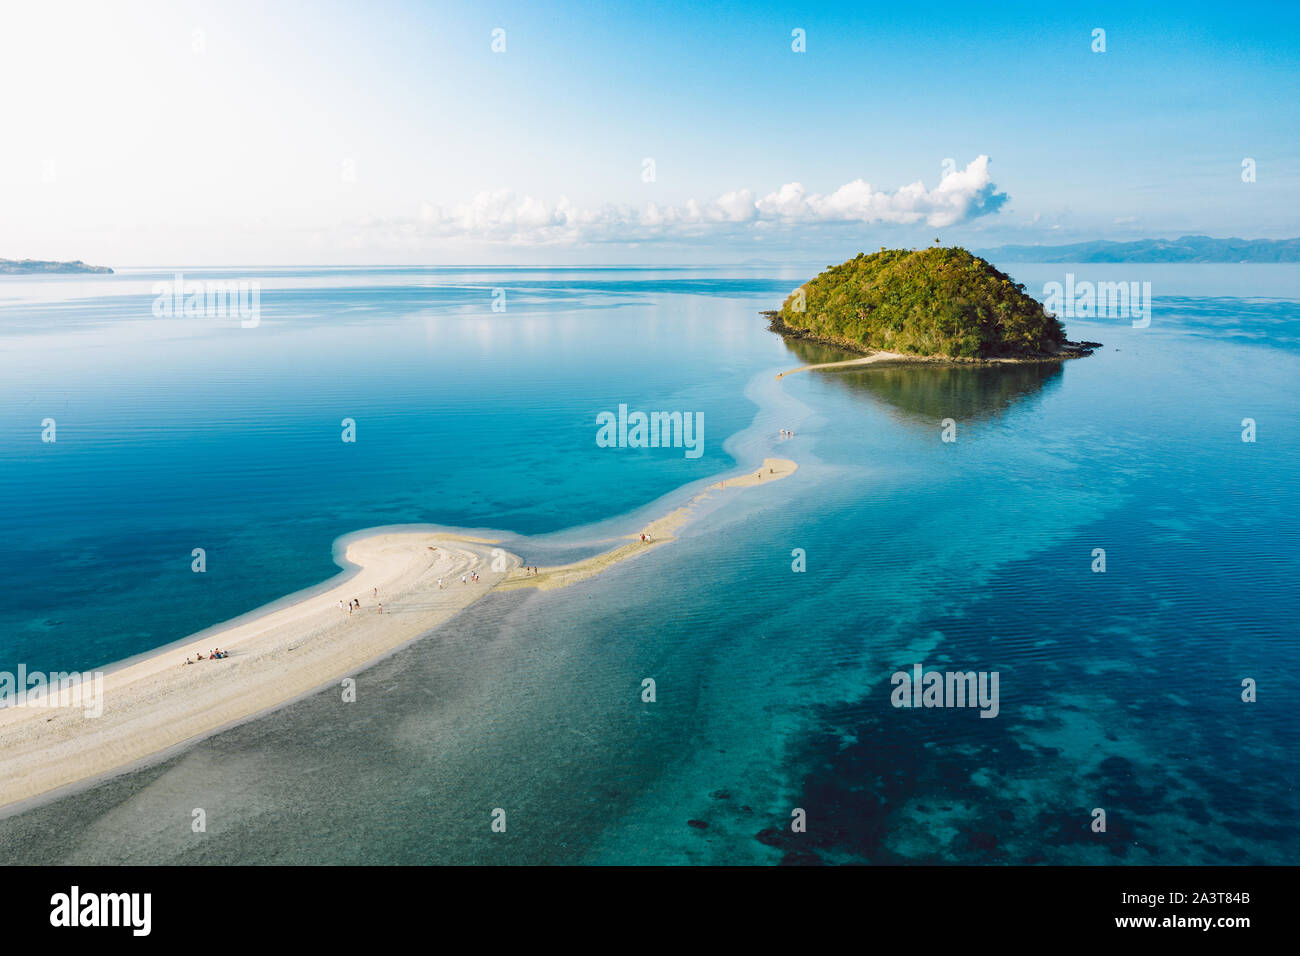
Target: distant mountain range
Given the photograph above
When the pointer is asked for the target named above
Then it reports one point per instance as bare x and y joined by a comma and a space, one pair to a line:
29, 266
1184, 249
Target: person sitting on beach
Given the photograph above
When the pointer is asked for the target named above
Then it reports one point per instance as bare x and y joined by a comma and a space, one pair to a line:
187, 661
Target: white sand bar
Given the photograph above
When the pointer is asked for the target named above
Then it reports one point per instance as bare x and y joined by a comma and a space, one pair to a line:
155, 703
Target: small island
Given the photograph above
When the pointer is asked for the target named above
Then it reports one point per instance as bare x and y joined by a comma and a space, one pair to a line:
936, 304
44, 266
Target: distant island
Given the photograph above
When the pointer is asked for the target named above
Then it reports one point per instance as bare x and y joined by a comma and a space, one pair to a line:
937, 303
30, 266
1184, 249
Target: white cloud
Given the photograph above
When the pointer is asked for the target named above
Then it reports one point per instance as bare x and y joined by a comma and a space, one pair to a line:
503, 216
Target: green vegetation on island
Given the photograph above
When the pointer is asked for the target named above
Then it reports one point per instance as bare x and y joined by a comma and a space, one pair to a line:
42, 266
937, 302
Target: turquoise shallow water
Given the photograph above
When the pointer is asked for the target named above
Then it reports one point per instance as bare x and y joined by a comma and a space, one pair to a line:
1118, 690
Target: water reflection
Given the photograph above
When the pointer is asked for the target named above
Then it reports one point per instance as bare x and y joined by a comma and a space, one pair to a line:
925, 394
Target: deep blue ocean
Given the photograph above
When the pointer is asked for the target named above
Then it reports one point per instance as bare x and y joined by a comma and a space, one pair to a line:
1119, 690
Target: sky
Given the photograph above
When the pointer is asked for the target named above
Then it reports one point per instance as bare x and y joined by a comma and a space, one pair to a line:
283, 133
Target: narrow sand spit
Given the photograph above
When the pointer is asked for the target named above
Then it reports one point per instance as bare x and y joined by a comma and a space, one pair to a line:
660, 531
864, 360
1063, 355
154, 704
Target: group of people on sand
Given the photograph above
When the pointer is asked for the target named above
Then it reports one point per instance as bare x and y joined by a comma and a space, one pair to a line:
216, 654
469, 577
355, 603
646, 537
530, 570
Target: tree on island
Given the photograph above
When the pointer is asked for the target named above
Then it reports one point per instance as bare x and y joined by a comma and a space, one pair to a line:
941, 302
